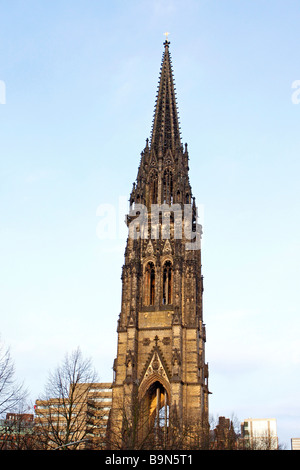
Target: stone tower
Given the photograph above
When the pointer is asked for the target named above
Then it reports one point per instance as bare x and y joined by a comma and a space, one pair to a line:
160, 361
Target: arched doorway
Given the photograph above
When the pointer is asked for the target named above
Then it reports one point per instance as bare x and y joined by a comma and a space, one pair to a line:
156, 406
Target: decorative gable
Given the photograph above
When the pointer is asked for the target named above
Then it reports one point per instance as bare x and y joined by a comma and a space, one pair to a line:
167, 247
155, 366
168, 158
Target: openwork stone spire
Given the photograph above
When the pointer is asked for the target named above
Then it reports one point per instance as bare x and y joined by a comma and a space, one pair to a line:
165, 130
163, 171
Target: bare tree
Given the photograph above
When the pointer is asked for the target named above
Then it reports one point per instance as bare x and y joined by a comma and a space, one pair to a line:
261, 441
12, 393
17, 432
133, 431
62, 411
139, 431
13, 402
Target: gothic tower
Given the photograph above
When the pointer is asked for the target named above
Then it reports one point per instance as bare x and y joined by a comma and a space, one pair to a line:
160, 363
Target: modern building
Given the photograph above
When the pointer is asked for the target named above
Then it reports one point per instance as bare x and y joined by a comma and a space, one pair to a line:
84, 417
160, 367
98, 409
260, 433
295, 443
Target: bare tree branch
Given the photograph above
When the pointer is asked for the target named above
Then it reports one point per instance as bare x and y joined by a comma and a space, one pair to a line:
12, 394
62, 416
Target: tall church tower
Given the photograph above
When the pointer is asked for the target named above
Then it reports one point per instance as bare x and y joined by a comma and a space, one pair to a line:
160, 363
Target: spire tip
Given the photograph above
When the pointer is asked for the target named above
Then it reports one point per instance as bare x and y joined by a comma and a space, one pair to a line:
166, 41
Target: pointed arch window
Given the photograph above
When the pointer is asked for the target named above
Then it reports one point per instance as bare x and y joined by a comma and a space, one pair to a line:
158, 406
149, 287
167, 283
155, 416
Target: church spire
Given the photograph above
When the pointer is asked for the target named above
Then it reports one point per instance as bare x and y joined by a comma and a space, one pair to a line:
160, 363
163, 171
165, 130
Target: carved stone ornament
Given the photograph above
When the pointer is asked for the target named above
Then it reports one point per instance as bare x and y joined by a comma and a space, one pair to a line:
167, 248
155, 366
176, 362
149, 249
129, 363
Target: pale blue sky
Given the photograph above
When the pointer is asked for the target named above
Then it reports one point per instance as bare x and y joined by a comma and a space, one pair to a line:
81, 80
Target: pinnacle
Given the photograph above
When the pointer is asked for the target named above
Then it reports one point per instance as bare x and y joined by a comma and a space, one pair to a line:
165, 128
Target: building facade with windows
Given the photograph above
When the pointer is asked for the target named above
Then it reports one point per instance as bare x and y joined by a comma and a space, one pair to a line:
61, 421
16, 431
295, 443
259, 433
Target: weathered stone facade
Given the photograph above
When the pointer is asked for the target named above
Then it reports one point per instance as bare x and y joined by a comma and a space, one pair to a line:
161, 335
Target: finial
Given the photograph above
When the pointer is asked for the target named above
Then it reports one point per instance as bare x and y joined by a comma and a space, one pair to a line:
166, 41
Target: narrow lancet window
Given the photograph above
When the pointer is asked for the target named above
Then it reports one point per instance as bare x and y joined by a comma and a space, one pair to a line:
149, 287
167, 283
